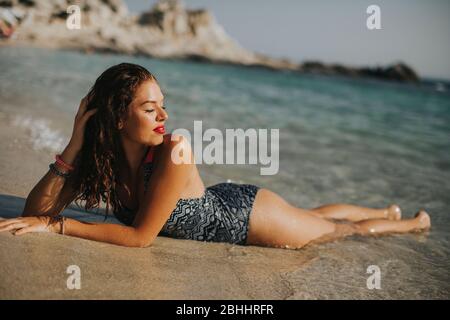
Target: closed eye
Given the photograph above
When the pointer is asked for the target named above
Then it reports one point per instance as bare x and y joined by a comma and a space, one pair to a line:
151, 110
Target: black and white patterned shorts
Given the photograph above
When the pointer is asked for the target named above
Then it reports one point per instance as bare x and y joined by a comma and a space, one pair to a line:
222, 214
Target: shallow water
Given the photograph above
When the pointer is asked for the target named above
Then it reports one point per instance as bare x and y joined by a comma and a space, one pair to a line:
341, 140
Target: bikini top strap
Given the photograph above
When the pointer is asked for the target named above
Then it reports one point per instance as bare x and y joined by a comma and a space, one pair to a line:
149, 157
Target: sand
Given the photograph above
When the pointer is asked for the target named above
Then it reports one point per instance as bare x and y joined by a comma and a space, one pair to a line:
34, 265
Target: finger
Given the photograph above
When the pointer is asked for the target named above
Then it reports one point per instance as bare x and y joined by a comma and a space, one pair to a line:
6, 222
23, 231
18, 219
92, 111
89, 113
83, 104
14, 226
82, 107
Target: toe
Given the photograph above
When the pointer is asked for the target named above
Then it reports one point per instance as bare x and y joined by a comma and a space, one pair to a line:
395, 213
424, 219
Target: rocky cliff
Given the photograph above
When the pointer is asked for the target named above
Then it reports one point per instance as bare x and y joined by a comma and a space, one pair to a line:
167, 30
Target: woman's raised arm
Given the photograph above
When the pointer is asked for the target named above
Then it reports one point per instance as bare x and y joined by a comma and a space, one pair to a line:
53, 193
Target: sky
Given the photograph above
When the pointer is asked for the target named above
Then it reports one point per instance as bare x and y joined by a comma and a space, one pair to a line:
416, 32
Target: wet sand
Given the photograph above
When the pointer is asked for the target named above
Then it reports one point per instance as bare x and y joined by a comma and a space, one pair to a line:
34, 266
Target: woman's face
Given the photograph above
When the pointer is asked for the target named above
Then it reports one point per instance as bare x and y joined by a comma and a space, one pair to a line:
146, 116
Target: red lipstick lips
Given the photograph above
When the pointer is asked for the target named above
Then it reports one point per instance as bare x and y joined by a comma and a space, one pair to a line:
160, 129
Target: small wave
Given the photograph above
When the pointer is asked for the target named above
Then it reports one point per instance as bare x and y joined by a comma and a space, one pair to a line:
41, 135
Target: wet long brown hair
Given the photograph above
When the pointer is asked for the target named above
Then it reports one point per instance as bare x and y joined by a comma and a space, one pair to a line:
97, 165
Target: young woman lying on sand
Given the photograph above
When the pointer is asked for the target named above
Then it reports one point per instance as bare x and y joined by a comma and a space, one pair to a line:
119, 153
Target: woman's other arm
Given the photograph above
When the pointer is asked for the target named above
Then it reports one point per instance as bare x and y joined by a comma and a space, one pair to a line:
164, 190
53, 193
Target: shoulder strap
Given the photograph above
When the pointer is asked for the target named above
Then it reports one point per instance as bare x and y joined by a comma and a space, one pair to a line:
149, 157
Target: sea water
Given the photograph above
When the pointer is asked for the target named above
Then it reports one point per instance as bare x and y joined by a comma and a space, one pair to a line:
357, 141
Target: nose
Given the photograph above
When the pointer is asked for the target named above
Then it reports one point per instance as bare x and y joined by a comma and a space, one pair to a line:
162, 115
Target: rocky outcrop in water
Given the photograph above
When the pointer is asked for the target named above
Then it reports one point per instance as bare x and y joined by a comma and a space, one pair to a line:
397, 72
167, 30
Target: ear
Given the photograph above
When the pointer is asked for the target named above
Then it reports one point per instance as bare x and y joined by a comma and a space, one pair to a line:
120, 125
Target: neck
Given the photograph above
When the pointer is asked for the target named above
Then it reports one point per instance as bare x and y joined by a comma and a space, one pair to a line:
134, 156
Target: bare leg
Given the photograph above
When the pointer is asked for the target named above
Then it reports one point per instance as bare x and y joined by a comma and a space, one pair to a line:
420, 222
355, 213
276, 223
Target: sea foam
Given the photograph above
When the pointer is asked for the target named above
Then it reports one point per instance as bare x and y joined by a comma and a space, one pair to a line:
41, 135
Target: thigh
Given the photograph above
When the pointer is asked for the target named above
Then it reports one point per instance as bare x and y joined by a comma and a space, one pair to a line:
276, 223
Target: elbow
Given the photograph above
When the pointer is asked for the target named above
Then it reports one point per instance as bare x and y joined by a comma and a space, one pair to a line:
141, 238
137, 244
144, 244
143, 241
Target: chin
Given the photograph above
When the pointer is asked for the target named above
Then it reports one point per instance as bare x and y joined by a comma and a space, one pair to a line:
157, 140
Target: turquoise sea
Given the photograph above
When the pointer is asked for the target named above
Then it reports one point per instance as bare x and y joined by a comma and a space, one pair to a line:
358, 141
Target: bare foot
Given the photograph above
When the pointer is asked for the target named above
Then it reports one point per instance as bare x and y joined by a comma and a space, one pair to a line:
394, 212
423, 219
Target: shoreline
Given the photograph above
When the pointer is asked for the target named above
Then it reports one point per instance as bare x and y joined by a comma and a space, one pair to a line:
321, 69
35, 265
169, 269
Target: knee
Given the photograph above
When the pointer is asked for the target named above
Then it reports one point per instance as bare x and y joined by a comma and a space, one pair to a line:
344, 230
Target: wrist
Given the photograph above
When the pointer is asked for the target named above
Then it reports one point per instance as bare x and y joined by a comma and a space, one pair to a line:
73, 146
55, 228
56, 224
69, 154
51, 225
61, 168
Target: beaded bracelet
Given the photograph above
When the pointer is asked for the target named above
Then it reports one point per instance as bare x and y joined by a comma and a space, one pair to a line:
57, 172
62, 163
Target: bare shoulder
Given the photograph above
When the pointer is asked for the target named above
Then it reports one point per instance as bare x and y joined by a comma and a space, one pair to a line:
173, 140
173, 143
177, 149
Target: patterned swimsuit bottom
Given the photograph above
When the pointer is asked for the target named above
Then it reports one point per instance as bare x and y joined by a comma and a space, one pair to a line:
221, 215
